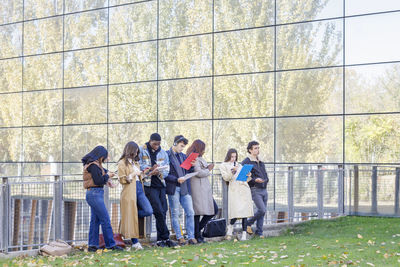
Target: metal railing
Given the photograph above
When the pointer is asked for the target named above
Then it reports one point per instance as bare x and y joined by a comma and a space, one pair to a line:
35, 210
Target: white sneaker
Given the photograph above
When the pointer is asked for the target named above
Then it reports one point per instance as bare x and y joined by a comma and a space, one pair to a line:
229, 230
137, 246
244, 236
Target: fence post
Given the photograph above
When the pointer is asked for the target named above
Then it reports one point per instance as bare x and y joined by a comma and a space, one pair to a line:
6, 214
340, 190
290, 194
374, 199
356, 188
396, 195
320, 192
224, 200
58, 199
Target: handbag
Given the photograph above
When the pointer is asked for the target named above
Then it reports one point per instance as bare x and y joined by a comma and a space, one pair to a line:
117, 238
56, 248
215, 228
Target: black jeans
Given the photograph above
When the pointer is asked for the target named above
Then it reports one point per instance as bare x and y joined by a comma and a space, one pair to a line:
199, 225
158, 201
244, 223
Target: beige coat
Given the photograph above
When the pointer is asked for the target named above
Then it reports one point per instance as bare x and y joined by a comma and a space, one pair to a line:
240, 204
129, 225
201, 189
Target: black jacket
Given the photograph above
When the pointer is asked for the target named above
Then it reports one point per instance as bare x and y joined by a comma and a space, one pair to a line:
258, 171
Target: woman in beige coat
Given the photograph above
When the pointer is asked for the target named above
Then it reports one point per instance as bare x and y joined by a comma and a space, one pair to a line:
240, 204
132, 195
203, 202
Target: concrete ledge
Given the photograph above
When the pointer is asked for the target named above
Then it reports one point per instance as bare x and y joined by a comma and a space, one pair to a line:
24, 253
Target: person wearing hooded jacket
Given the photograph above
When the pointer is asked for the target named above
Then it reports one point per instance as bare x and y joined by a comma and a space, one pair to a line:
95, 177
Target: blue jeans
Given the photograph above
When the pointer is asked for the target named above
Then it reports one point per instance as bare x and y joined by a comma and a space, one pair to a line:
144, 206
99, 216
187, 205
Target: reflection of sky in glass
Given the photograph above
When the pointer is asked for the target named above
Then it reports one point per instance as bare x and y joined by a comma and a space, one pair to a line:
354, 7
372, 38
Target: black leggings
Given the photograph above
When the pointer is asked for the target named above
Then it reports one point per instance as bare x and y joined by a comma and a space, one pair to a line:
244, 223
199, 225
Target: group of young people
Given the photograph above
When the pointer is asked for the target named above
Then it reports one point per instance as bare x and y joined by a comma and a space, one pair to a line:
149, 174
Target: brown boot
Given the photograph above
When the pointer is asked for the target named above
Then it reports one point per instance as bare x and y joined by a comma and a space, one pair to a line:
192, 241
181, 241
249, 230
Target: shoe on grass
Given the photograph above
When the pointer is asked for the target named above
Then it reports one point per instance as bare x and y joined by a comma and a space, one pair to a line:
137, 246
249, 230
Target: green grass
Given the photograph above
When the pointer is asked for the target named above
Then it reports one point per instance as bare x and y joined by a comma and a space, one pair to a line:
362, 241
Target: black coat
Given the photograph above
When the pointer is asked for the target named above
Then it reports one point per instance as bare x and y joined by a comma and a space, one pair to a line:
258, 171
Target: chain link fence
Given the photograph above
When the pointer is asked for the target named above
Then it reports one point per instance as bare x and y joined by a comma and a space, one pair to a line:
38, 209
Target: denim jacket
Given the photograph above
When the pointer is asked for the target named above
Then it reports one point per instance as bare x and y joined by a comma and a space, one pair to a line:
145, 162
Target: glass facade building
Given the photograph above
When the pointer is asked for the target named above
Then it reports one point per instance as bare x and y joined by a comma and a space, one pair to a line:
314, 81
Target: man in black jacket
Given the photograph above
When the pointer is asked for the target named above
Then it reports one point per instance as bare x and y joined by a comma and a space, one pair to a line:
258, 186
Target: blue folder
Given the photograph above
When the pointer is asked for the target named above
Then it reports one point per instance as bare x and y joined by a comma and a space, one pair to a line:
243, 172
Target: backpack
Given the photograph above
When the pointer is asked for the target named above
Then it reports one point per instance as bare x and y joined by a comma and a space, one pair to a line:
87, 176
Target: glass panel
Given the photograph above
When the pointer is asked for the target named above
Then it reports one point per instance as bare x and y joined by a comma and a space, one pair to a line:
120, 134
133, 102
238, 133
192, 130
310, 45
179, 18
10, 144
79, 5
11, 11
120, 2
135, 62
10, 169
86, 29
11, 75
43, 72
310, 92
185, 99
11, 40
306, 10
370, 6
372, 39
43, 108
42, 8
42, 169
373, 139
239, 14
312, 139
10, 110
374, 88
244, 51
72, 168
185, 57
77, 108
80, 140
43, 36
87, 67
244, 96
42, 144
131, 23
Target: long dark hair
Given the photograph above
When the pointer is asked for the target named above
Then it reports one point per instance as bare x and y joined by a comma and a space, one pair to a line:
131, 150
99, 153
197, 146
229, 154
